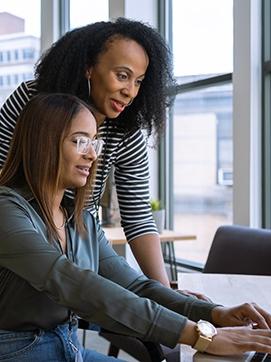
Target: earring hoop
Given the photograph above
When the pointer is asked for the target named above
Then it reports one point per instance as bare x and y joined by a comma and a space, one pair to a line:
89, 86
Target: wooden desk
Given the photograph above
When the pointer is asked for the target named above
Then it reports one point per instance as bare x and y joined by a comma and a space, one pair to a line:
116, 236
227, 290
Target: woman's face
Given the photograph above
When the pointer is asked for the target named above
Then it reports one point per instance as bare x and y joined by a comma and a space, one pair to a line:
116, 78
75, 167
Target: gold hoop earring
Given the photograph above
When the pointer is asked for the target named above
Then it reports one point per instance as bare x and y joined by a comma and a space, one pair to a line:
89, 86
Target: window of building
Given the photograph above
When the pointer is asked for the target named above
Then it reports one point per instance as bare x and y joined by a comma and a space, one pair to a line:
8, 80
15, 79
16, 20
8, 56
28, 53
16, 54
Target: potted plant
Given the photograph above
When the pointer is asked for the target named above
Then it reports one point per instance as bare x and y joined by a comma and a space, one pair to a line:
158, 213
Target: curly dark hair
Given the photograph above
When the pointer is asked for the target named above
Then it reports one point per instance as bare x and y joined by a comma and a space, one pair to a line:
62, 69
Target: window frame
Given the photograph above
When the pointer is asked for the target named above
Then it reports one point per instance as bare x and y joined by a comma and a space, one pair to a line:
248, 198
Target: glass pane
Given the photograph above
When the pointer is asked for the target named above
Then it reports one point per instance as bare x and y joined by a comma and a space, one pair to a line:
19, 43
202, 129
82, 12
202, 37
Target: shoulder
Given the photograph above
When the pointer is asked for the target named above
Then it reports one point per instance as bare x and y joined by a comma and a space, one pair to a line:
7, 192
134, 145
8, 195
18, 99
26, 90
13, 203
134, 139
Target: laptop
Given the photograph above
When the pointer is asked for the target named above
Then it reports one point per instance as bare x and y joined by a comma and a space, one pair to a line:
246, 357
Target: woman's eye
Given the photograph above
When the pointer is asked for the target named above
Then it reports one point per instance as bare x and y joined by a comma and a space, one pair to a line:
122, 76
80, 140
139, 82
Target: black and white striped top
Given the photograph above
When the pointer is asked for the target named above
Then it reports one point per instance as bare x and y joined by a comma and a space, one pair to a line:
128, 154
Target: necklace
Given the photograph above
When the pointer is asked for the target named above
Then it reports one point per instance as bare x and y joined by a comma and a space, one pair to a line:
64, 213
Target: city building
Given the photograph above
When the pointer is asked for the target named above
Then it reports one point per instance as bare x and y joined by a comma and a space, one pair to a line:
18, 53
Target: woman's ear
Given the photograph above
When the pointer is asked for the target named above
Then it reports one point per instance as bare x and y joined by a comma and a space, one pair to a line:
88, 73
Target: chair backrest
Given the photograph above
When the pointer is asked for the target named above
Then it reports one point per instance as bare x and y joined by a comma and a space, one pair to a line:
240, 250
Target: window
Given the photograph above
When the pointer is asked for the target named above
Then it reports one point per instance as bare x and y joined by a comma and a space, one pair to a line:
15, 79
16, 54
82, 12
8, 80
201, 122
19, 34
28, 53
8, 56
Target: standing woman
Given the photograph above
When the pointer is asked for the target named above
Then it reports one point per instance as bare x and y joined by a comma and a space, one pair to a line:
122, 69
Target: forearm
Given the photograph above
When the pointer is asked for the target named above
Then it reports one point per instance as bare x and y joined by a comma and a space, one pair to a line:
148, 253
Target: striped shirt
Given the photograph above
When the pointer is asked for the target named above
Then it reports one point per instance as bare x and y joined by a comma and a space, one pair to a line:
127, 153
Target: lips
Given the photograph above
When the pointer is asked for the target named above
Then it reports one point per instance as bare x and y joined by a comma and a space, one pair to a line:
83, 170
117, 106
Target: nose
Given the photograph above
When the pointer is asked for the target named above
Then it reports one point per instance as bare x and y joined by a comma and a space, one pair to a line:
130, 90
91, 155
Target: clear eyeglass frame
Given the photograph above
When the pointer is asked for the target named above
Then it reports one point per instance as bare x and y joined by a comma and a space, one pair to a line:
84, 144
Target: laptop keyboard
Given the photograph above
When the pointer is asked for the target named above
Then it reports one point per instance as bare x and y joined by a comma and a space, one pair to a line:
261, 357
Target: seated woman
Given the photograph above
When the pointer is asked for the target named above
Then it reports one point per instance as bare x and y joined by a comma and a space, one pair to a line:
56, 264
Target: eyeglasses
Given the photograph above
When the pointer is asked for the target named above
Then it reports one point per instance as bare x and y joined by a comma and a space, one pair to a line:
84, 144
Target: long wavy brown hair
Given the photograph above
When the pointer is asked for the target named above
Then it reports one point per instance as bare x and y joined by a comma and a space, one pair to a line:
35, 155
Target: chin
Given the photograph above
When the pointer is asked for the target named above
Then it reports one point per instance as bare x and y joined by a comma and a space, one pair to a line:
112, 114
78, 184
82, 184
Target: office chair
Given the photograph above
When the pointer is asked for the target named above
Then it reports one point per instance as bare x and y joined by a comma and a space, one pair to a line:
240, 250
138, 349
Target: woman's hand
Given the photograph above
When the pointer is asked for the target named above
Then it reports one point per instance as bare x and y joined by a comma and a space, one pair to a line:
237, 340
230, 340
242, 315
195, 295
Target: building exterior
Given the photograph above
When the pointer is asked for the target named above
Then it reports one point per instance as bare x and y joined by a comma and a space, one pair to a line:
18, 54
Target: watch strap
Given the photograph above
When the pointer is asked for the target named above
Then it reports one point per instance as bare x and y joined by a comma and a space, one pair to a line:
202, 343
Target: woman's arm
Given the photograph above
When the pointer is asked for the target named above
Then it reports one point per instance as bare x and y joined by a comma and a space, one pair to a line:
9, 114
117, 269
148, 253
25, 252
230, 341
132, 183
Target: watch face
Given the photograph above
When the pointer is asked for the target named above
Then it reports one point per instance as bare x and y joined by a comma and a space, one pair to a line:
206, 328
